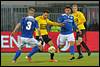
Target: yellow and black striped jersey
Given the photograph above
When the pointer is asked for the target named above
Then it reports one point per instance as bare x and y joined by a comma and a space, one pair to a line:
79, 19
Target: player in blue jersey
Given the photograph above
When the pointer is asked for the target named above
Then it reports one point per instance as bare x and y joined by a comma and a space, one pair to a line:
28, 25
66, 32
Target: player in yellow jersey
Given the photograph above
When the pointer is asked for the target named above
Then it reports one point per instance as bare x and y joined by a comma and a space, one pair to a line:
42, 22
79, 19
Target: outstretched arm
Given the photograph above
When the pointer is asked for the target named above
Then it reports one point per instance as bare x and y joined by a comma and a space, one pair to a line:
16, 28
55, 23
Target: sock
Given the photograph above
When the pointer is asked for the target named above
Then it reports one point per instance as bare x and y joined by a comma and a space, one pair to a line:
79, 50
51, 55
72, 50
18, 52
34, 50
85, 46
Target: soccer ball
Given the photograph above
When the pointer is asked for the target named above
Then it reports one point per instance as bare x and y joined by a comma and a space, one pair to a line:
52, 49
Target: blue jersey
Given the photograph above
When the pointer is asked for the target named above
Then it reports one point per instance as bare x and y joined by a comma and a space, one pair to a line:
28, 25
69, 24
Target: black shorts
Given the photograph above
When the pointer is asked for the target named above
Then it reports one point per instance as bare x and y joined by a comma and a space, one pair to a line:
80, 35
46, 39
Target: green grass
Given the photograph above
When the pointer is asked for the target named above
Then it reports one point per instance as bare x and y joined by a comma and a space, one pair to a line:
41, 59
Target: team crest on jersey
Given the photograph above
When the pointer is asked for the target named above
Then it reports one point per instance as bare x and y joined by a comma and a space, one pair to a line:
71, 17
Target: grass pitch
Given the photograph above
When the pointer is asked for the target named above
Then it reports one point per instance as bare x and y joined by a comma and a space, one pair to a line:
41, 59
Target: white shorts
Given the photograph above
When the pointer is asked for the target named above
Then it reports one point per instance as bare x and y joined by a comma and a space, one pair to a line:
29, 41
63, 38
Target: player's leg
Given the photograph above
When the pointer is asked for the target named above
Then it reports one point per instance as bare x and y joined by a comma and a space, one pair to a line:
52, 54
61, 41
47, 40
78, 41
41, 47
87, 49
34, 43
32, 52
72, 50
18, 52
84, 44
71, 41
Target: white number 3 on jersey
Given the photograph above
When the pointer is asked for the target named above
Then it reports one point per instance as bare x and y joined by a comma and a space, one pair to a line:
28, 27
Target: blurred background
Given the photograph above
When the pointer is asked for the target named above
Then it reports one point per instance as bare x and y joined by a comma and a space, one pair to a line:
13, 11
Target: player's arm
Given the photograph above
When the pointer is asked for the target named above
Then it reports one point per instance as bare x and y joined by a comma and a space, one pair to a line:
37, 25
37, 18
81, 19
60, 19
40, 42
39, 33
16, 28
37, 28
75, 27
54, 23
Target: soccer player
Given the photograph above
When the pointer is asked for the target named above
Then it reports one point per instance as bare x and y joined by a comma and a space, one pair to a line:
66, 32
27, 25
42, 22
80, 20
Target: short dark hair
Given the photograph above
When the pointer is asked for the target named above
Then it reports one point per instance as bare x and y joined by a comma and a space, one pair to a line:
68, 7
46, 11
31, 8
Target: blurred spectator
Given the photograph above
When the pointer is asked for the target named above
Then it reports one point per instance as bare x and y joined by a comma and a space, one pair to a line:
94, 26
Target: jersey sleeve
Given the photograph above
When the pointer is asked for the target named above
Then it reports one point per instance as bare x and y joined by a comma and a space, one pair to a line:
81, 18
50, 22
22, 21
60, 19
74, 25
37, 18
36, 24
